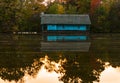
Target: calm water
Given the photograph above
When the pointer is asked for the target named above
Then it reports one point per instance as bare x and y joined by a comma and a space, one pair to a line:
22, 61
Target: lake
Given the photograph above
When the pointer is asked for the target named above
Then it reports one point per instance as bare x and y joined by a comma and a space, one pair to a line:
23, 61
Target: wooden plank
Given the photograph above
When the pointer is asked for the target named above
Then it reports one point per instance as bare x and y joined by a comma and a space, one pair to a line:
65, 46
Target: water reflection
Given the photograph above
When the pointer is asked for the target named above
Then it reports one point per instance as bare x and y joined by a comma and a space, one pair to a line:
110, 75
48, 72
21, 61
66, 38
65, 43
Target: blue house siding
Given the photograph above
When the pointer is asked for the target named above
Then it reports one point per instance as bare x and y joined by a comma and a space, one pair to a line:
67, 38
66, 27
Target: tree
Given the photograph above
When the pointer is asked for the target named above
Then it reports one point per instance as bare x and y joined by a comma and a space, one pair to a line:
8, 9
30, 15
20, 14
77, 6
94, 5
114, 17
99, 15
100, 20
55, 8
83, 6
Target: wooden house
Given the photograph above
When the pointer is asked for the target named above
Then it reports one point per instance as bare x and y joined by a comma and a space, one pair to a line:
66, 30
65, 22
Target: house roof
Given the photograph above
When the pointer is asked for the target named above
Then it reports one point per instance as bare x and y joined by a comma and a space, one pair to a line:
65, 19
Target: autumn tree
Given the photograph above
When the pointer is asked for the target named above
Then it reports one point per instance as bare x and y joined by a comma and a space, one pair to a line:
94, 5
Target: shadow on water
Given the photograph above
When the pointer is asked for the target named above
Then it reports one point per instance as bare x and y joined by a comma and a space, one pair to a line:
21, 54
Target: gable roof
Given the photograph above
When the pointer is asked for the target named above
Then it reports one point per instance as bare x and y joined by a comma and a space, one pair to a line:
65, 19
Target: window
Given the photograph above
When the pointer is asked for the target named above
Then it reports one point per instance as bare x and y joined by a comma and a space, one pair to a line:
51, 27
67, 27
83, 28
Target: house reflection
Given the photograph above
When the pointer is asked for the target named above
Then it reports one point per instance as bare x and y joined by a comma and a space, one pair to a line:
66, 38
65, 43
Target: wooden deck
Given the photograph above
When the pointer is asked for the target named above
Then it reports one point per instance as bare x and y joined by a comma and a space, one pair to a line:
65, 46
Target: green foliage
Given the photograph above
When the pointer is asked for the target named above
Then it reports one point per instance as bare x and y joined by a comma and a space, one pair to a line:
114, 17
77, 6
71, 10
106, 17
100, 21
55, 8
52, 9
8, 10
83, 6
18, 15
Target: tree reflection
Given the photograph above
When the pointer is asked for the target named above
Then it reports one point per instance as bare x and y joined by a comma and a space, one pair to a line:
11, 74
75, 66
20, 56
106, 47
15, 68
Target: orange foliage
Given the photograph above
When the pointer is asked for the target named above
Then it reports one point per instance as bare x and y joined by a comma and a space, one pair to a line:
94, 5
